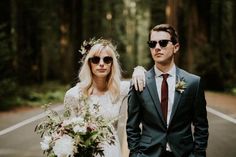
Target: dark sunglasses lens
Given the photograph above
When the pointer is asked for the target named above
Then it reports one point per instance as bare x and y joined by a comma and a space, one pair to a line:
107, 60
163, 43
95, 60
152, 44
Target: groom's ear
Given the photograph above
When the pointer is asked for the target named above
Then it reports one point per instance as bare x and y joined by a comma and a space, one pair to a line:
176, 47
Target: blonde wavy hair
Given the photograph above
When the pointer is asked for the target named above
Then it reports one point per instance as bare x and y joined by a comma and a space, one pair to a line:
113, 79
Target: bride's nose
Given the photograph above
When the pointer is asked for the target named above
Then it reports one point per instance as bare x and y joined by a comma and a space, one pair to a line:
101, 63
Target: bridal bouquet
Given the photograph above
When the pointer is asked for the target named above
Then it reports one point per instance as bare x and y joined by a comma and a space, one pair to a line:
64, 135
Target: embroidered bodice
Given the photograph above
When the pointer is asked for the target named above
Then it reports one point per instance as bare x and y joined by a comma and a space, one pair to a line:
106, 107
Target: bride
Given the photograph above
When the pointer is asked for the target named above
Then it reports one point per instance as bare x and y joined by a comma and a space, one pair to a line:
100, 80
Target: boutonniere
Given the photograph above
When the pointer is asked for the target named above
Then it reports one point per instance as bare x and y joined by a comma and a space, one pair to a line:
180, 85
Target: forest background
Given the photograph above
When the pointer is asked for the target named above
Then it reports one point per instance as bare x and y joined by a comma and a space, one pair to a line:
39, 42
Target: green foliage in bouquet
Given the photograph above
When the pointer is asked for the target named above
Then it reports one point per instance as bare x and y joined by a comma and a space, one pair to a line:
79, 135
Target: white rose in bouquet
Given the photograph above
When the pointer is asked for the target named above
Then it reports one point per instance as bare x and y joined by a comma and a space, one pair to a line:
64, 146
81, 135
46, 142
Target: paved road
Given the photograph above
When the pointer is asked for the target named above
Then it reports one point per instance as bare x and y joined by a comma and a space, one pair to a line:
222, 137
23, 142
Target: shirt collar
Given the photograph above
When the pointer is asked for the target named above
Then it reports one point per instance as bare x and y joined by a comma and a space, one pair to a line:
171, 72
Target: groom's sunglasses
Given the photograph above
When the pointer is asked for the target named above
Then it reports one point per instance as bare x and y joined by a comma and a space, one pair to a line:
96, 59
162, 43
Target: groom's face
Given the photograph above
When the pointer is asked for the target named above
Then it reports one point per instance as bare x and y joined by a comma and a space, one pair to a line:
164, 50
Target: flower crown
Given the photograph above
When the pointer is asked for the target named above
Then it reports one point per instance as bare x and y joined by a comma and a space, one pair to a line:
88, 44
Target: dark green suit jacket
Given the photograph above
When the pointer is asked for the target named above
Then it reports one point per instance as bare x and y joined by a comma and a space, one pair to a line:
187, 133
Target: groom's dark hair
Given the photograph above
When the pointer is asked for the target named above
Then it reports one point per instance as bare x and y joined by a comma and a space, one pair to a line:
166, 28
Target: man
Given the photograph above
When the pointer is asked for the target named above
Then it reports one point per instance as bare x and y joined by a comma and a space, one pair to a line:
171, 103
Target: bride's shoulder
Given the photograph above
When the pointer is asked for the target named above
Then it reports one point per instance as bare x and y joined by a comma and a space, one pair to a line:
72, 96
124, 86
74, 91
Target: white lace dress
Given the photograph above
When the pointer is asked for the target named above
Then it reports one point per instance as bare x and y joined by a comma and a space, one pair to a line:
109, 111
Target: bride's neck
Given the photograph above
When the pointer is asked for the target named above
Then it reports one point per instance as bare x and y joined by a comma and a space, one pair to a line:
99, 86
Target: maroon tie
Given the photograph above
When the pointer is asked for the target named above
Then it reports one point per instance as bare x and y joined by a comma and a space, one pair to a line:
164, 96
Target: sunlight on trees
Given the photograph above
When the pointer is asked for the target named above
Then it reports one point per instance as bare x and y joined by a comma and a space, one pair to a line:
39, 41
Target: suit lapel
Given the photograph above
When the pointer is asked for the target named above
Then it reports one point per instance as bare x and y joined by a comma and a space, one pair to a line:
152, 88
177, 96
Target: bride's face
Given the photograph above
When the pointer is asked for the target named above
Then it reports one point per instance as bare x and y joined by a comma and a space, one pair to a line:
101, 64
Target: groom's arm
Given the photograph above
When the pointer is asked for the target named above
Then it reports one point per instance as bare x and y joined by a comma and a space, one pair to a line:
200, 123
134, 116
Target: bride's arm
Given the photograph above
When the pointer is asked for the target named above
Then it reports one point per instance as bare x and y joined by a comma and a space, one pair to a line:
138, 78
71, 100
121, 127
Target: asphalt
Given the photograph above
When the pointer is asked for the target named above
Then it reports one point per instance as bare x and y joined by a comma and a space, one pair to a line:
24, 142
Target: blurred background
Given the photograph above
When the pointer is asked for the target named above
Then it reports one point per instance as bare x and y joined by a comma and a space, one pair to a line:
39, 42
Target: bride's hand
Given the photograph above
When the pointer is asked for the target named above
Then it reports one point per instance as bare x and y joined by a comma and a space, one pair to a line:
138, 78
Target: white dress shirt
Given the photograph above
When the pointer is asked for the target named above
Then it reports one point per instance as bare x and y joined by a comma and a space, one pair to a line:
171, 90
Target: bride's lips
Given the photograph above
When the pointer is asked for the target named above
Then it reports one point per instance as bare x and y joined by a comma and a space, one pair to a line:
101, 70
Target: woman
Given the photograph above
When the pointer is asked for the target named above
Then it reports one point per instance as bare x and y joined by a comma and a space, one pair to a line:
100, 80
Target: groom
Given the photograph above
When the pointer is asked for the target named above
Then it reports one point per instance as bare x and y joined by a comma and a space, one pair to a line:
172, 107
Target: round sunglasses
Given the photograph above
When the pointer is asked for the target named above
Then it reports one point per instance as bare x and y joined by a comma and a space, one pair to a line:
162, 43
96, 59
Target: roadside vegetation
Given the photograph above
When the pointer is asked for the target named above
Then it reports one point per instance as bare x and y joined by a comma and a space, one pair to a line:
39, 42
31, 96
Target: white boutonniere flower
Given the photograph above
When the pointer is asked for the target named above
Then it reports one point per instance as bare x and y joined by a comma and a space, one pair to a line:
180, 85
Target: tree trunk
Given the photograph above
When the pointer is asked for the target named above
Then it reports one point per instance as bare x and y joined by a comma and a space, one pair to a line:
234, 41
65, 41
14, 32
172, 12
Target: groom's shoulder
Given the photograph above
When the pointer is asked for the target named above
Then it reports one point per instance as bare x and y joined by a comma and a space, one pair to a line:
150, 72
188, 74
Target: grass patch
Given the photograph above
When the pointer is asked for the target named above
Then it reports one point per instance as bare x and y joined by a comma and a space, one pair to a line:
35, 95
234, 91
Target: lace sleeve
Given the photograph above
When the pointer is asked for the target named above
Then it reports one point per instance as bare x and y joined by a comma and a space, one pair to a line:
71, 100
123, 104
123, 107
124, 88
121, 129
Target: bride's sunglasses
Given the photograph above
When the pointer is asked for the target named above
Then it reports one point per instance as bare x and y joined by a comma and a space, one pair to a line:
162, 43
96, 59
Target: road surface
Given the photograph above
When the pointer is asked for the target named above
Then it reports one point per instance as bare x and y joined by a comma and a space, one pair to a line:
21, 141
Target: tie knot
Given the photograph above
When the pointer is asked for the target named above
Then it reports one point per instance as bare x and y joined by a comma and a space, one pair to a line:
165, 76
